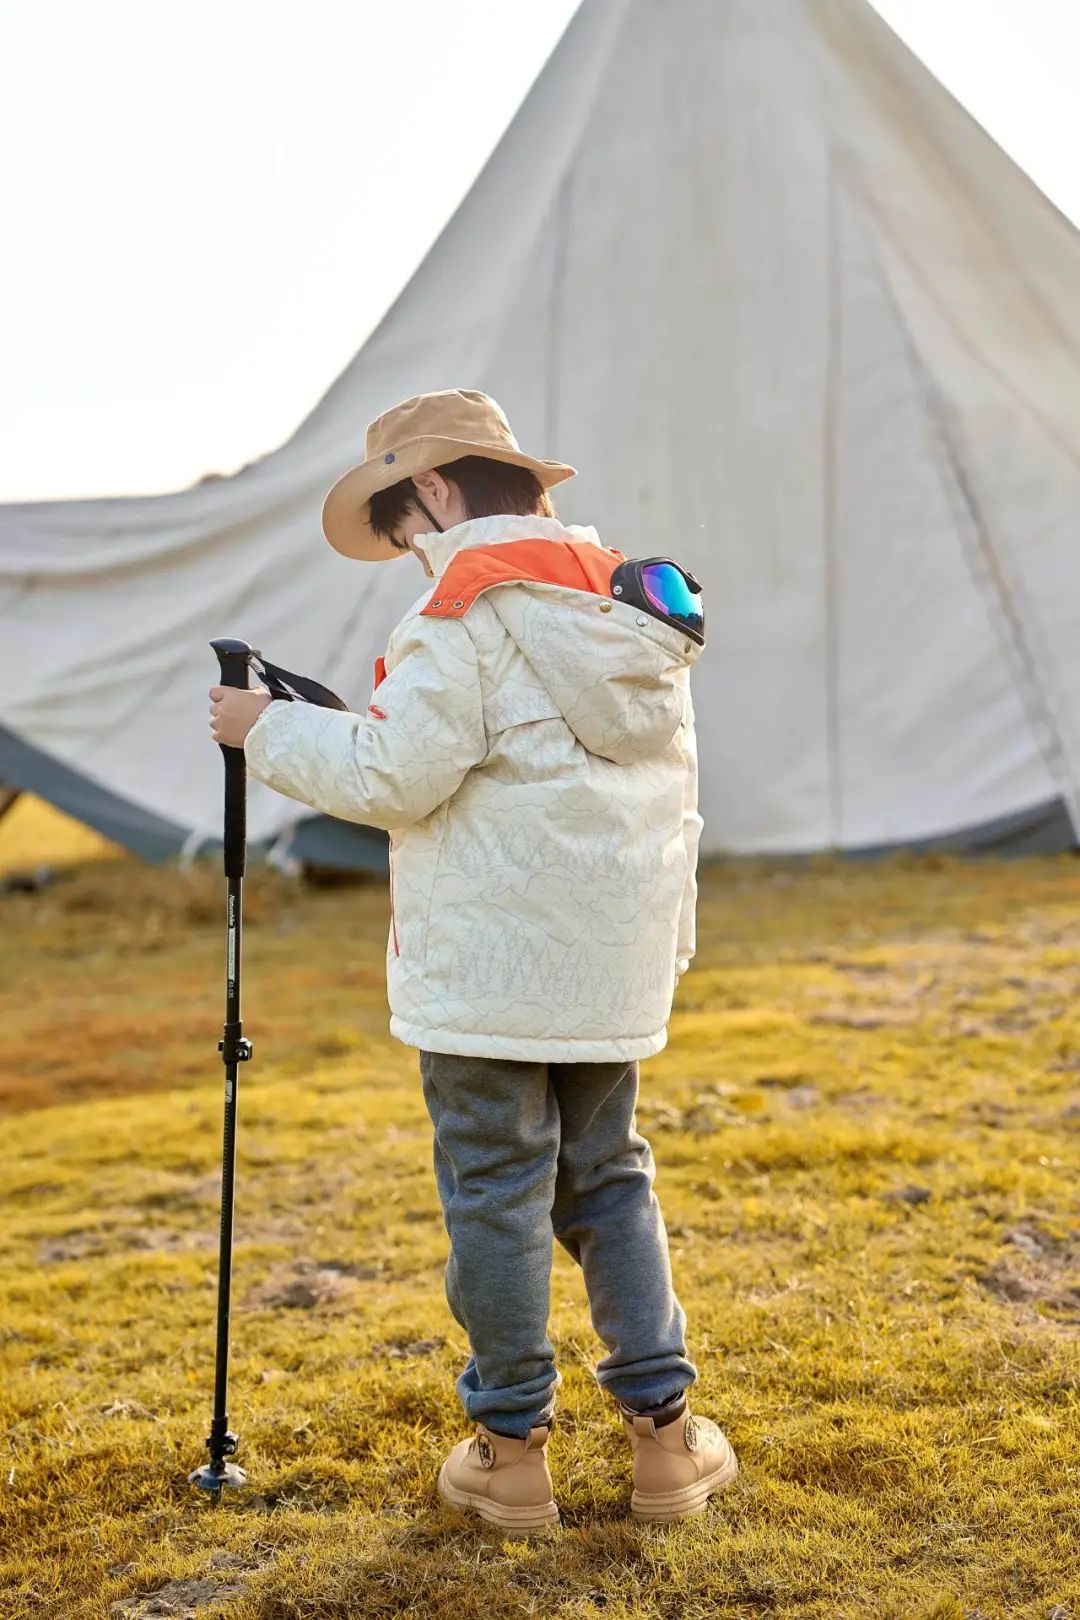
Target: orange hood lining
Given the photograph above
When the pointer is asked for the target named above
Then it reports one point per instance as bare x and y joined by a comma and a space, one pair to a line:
577, 564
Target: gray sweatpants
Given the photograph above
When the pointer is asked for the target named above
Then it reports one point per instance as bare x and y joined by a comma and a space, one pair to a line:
524, 1152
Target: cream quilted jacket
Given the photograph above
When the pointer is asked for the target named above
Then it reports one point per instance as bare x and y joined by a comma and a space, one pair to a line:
534, 763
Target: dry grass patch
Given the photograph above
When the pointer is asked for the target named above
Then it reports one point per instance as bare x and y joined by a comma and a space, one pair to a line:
866, 1127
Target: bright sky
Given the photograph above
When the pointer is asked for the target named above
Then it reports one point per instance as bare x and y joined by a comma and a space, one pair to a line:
208, 206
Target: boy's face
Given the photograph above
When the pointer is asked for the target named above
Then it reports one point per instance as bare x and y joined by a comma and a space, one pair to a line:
445, 503
412, 524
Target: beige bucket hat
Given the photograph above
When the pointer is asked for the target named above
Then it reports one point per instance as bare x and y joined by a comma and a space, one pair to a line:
413, 437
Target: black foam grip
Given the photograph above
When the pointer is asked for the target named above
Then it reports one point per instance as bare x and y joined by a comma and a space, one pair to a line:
235, 811
233, 657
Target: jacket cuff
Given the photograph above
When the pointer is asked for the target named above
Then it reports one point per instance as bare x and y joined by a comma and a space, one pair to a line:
259, 724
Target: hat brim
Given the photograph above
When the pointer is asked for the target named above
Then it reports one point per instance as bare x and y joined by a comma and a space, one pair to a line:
346, 508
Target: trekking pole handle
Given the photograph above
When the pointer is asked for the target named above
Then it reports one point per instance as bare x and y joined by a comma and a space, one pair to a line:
233, 657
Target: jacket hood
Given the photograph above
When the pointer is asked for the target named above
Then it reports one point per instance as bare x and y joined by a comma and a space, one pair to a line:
617, 675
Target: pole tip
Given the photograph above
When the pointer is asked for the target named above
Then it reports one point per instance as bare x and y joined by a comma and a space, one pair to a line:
209, 1478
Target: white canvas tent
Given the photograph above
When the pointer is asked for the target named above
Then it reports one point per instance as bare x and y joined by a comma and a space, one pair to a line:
800, 323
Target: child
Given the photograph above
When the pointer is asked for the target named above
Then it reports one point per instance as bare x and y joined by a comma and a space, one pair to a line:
530, 750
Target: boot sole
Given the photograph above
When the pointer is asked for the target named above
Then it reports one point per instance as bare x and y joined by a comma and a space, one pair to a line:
519, 1519
661, 1507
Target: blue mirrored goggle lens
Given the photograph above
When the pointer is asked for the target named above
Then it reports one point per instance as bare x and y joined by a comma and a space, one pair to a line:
669, 593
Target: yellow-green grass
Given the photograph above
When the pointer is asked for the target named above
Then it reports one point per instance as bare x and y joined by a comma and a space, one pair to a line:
866, 1130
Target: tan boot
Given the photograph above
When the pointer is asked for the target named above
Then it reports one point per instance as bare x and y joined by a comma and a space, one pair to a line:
506, 1481
677, 1465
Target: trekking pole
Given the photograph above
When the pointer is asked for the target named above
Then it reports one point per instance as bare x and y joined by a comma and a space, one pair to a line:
233, 656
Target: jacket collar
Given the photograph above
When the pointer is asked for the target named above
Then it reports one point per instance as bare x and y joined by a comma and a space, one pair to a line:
440, 549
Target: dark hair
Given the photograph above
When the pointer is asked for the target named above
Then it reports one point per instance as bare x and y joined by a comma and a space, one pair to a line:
487, 487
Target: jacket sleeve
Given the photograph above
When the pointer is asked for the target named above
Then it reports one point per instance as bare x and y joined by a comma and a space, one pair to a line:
692, 824
397, 763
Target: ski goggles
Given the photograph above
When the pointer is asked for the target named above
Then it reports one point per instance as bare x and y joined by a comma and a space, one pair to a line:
665, 589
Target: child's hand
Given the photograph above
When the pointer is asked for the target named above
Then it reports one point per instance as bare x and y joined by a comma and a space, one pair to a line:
234, 710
